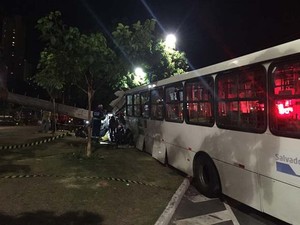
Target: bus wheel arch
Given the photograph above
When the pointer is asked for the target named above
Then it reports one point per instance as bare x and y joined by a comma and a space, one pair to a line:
206, 175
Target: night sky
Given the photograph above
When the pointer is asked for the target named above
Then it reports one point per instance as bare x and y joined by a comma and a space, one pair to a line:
208, 31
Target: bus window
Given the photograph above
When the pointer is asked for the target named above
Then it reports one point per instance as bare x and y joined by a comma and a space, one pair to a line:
129, 108
285, 100
174, 102
241, 100
145, 104
157, 107
199, 101
136, 105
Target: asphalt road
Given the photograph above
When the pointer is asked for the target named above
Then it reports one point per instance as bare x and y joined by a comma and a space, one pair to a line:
196, 209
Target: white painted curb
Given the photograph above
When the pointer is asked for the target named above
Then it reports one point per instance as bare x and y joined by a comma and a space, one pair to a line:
167, 214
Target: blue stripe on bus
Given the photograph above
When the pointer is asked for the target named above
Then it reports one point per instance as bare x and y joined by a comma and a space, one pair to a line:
285, 168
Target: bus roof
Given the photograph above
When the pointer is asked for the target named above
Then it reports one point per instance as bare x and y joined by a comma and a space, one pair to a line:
278, 51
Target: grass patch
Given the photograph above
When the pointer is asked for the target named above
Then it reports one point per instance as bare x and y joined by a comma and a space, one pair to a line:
71, 192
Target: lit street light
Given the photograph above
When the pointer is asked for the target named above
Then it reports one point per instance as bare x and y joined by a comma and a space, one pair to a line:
140, 75
139, 71
170, 41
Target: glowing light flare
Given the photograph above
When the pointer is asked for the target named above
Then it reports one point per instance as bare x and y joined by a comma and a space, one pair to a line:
287, 103
170, 41
140, 75
139, 71
284, 109
150, 86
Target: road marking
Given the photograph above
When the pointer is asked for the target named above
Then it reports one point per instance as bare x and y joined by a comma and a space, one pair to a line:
233, 218
208, 219
199, 198
211, 218
167, 214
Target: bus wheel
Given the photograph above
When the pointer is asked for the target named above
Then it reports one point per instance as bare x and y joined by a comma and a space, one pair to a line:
206, 177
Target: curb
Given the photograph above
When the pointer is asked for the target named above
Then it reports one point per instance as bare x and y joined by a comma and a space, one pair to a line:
8, 147
167, 214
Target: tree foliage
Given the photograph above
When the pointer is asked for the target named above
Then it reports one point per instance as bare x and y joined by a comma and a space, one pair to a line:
72, 58
53, 69
139, 45
86, 61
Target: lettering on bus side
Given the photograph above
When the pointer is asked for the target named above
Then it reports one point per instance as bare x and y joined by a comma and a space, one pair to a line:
287, 164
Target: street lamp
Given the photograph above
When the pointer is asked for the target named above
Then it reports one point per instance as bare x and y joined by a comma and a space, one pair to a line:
140, 75
170, 41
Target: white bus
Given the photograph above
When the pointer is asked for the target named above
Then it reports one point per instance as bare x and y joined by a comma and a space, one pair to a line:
233, 126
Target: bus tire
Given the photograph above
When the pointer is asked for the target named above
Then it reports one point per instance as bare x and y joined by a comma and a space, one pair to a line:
206, 177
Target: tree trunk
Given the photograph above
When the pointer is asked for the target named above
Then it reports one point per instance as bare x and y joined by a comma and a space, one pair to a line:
53, 118
89, 141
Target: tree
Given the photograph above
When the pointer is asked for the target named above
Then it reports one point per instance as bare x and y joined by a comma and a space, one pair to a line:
3, 77
52, 72
48, 77
72, 58
94, 67
139, 45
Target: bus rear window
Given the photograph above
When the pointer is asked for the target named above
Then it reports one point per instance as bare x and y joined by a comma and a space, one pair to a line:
174, 103
157, 107
199, 101
136, 105
285, 100
241, 100
145, 104
129, 107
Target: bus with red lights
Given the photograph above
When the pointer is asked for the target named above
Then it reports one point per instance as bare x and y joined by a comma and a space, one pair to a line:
233, 126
